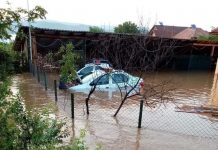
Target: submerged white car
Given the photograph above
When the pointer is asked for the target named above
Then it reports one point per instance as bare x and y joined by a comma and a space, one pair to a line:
89, 71
114, 80
91, 68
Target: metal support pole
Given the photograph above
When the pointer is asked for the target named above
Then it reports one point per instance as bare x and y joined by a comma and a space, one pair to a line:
55, 89
140, 114
30, 36
72, 105
45, 80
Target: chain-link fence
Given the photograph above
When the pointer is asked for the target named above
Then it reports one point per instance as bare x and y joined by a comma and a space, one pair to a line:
165, 122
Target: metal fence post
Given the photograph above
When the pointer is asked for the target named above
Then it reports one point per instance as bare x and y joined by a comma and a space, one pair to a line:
87, 105
33, 69
72, 105
45, 80
30, 67
55, 89
140, 114
38, 75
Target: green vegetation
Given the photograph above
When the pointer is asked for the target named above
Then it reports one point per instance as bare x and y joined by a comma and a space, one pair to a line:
96, 29
10, 18
209, 38
23, 129
9, 60
127, 27
68, 63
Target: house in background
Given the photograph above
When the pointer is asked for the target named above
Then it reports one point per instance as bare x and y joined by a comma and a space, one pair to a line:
214, 31
201, 54
177, 32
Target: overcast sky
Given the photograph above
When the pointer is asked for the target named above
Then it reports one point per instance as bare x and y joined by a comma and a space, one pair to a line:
202, 13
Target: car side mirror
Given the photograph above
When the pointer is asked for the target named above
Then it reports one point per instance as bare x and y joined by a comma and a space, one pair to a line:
92, 84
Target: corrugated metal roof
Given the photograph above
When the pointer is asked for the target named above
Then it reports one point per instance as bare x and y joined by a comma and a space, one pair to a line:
58, 26
61, 26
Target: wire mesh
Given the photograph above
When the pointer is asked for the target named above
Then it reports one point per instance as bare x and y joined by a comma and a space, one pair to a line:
163, 121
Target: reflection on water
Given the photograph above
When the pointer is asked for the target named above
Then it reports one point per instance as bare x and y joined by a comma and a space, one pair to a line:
162, 128
33, 93
190, 87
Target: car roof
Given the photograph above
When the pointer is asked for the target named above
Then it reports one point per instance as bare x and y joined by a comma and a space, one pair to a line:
93, 76
98, 73
104, 65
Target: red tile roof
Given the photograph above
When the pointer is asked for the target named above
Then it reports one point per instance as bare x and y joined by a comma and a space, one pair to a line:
165, 31
214, 31
176, 32
191, 33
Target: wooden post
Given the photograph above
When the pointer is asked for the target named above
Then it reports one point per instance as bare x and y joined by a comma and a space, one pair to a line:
45, 81
212, 51
55, 89
140, 114
72, 105
214, 91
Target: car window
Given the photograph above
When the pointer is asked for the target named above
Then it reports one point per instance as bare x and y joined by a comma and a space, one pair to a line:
98, 68
86, 70
102, 80
119, 78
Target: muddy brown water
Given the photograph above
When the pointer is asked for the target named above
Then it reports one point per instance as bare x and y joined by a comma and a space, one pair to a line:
162, 127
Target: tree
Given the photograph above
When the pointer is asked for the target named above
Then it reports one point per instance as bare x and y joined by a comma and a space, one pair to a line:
126, 27
9, 19
96, 29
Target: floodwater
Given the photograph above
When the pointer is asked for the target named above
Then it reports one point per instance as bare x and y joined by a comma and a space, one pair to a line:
163, 127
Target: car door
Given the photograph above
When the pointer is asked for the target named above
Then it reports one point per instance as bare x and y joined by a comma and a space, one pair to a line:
102, 82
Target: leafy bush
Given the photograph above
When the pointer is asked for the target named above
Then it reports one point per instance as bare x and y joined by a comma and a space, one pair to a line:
68, 63
9, 60
208, 38
21, 129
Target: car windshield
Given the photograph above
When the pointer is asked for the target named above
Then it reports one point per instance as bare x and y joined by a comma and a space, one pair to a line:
86, 70
102, 80
119, 78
